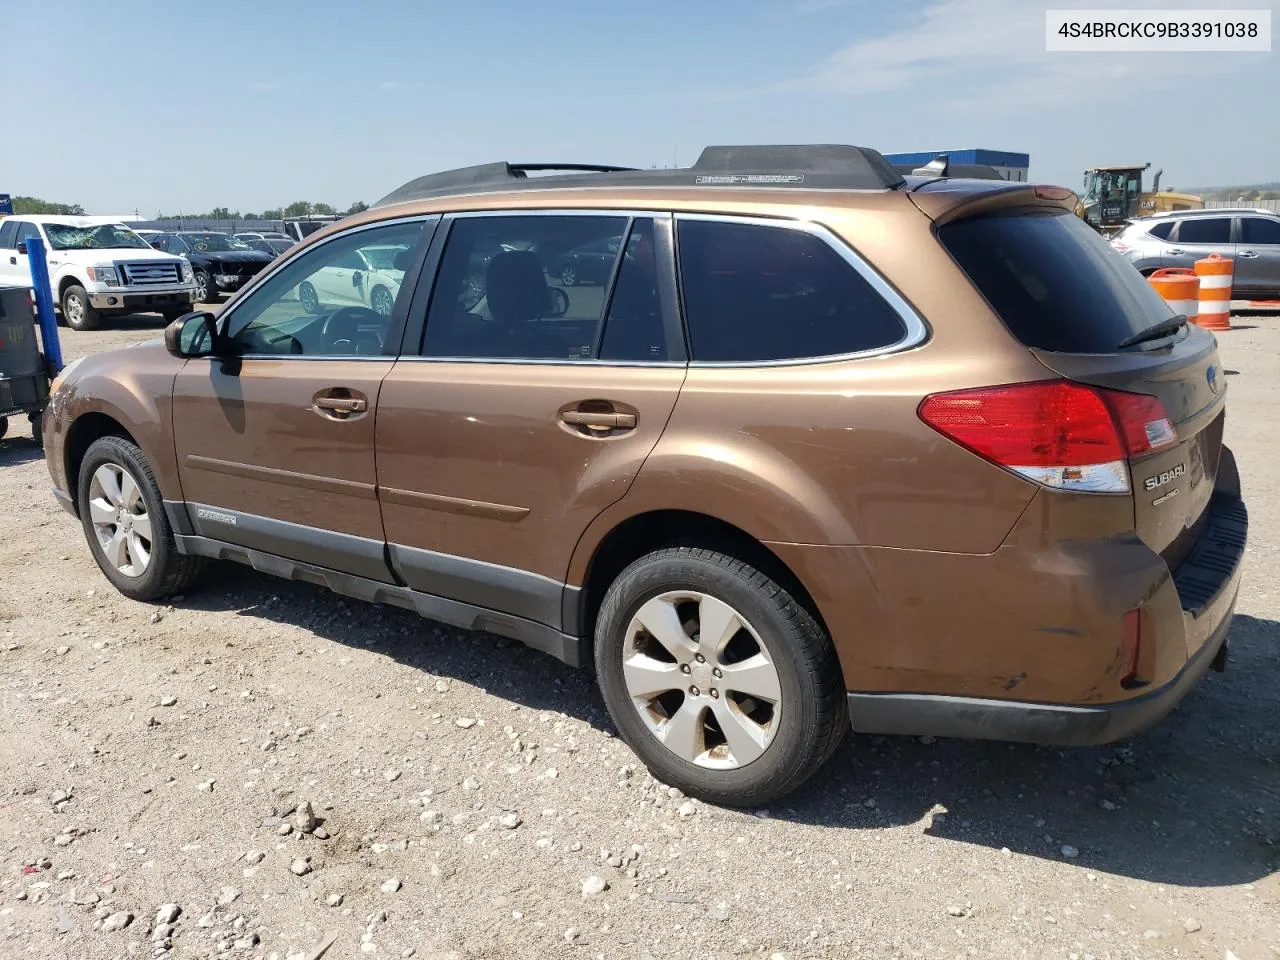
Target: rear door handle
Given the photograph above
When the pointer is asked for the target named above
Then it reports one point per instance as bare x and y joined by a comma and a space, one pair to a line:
1175, 251
599, 421
1247, 255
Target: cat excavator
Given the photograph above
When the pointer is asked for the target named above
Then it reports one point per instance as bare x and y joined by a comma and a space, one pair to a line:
1114, 195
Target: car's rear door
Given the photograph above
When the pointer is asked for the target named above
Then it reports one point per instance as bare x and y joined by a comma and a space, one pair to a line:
1197, 237
530, 407
275, 436
1257, 267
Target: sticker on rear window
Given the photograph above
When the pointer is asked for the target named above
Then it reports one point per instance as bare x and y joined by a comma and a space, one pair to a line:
753, 178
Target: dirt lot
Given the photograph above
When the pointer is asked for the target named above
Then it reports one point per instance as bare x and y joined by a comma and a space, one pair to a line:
152, 758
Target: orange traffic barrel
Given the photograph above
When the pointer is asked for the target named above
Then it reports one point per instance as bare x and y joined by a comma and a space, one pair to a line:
1215, 272
1180, 289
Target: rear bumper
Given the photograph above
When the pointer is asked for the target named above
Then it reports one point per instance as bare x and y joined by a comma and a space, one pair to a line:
1048, 723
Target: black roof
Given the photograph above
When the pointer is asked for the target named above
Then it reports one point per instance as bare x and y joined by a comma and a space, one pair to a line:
815, 166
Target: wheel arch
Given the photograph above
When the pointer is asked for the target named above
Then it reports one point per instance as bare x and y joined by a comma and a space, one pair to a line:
81, 434
642, 533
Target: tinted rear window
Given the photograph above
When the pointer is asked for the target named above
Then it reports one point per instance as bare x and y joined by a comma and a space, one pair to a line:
1056, 284
754, 292
1207, 230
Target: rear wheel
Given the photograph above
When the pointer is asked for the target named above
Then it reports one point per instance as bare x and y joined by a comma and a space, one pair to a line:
382, 301
125, 523
77, 311
307, 294
720, 681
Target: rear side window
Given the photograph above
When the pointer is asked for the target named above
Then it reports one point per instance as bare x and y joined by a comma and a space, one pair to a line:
1206, 230
1055, 283
1260, 230
1161, 231
755, 293
8, 229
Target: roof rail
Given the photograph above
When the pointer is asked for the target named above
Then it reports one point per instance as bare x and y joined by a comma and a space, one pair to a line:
941, 166
827, 166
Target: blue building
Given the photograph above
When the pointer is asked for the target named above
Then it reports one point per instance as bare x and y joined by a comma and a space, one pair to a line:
1011, 166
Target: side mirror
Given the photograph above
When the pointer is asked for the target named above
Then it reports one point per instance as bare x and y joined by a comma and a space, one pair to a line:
22, 247
192, 335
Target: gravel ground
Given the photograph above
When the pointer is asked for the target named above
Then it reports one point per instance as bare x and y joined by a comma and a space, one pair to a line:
262, 769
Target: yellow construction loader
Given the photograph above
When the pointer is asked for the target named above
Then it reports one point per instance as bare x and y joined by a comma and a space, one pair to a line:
1113, 195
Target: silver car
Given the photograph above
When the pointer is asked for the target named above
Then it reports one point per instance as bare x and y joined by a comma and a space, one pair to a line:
1180, 238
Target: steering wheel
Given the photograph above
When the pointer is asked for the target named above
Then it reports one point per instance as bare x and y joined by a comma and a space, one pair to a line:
342, 333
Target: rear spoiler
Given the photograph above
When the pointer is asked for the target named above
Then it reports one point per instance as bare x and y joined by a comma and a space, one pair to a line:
946, 200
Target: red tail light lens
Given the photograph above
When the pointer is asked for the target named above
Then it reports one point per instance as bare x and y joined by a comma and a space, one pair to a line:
1130, 645
1057, 433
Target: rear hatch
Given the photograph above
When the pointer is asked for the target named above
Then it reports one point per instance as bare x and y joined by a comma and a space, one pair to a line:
1073, 301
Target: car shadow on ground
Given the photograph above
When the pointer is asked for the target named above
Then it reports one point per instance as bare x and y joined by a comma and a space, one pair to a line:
17, 449
1192, 802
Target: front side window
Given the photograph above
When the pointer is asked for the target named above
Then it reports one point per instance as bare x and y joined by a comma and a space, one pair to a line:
523, 287
26, 231
318, 306
8, 230
176, 245
1205, 230
1260, 230
754, 292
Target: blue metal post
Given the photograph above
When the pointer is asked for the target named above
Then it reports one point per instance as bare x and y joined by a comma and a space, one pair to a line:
44, 304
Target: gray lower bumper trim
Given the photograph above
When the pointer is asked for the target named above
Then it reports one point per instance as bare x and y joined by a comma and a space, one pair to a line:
571, 650
971, 718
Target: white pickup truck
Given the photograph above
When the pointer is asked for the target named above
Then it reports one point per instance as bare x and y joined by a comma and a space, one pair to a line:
96, 269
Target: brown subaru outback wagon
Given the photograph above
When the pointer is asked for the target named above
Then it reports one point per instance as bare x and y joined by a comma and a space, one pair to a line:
783, 443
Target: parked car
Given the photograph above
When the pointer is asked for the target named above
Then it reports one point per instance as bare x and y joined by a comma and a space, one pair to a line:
590, 263
273, 248
1178, 239
96, 269
249, 237
221, 263
366, 276
832, 449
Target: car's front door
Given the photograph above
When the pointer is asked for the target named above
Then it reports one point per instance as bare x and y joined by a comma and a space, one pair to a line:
1257, 268
1196, 238
275, 437
530, 409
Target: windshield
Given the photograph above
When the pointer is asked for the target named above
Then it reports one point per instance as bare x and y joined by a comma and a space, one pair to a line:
203, 242
382, 258
109, 236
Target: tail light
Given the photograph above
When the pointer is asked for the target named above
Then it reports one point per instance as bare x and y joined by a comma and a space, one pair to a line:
1057, 433
1130, 644
1120, 246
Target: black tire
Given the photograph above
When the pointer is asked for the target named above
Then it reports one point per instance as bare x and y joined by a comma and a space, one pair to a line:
814, 715
37, 428
172, 315
206, 289
77, 311
4, 426
168, 572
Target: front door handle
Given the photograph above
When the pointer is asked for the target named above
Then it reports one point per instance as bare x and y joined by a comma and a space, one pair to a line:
1247, 255
599, 421
343, 404
1175, 251
14, 261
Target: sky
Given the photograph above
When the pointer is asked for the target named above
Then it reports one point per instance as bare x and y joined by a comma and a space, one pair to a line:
179, 107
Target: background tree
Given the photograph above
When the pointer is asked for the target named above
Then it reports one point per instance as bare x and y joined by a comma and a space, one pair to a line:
34, 206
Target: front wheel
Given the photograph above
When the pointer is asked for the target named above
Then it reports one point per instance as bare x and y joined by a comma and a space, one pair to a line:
307, 294
206, 291
77, 311
382, 301
722, 683
125, 523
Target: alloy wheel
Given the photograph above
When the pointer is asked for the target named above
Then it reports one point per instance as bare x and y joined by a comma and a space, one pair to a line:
120, 519
701, 680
